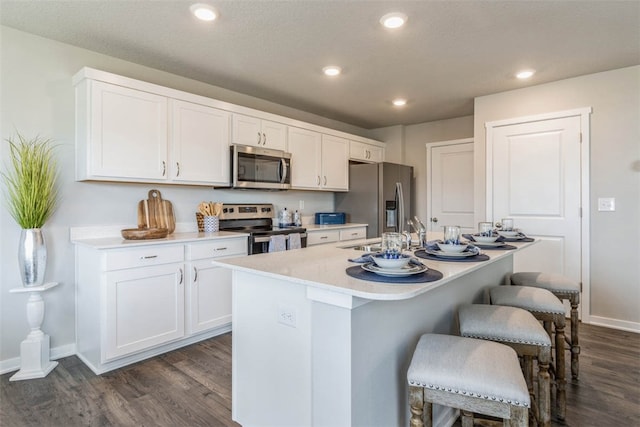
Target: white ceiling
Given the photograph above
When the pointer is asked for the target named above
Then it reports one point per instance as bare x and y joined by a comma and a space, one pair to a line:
448, 53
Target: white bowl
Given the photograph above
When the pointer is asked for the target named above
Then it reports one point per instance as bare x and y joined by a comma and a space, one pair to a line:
391, 263
485, 239
451, 248
513, 233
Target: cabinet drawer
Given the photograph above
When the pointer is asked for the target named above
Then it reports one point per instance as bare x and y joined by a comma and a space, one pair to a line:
142, 257
217, 248
353, 233
319, 237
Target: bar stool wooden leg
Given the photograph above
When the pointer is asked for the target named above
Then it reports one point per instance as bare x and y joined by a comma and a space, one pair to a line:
575, 346
560, 370
417, 406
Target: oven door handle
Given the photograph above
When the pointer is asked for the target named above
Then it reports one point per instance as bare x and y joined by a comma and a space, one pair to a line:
264, 239
284, 171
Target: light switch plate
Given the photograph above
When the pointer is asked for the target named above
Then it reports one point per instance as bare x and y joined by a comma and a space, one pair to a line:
606, 204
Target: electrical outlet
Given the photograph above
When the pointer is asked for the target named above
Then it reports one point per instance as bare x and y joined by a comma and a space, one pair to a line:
607, 204
287, 315
301, 205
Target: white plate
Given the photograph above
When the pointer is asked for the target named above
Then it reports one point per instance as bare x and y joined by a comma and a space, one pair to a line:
510, 234
452, 255
407, 270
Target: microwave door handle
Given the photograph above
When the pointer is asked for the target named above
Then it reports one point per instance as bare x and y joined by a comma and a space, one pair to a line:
283, 171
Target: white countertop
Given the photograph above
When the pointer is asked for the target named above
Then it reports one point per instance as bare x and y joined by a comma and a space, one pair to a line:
315, 227
324, 266
114, 242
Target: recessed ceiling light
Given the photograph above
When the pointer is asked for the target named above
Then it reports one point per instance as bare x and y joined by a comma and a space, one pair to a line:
203, 12
332, 70
393, 20
399, 102
525, 74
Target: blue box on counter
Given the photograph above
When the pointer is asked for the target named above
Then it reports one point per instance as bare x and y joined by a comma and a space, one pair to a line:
324, 218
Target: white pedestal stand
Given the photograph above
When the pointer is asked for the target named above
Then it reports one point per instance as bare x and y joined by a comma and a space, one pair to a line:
34, 350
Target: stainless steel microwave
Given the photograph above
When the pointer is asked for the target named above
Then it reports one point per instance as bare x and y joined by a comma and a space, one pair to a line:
260, 168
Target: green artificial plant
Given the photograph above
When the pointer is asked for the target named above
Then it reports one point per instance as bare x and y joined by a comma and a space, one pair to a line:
30, 178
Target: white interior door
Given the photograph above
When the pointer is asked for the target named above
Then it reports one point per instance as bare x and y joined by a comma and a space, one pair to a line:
450, 184
535, 176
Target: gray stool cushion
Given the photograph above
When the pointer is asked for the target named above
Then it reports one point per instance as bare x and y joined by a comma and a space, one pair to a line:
470, 367
526, 297
551, 282
501, 323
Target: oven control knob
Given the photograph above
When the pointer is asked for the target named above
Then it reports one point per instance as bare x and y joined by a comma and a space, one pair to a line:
224, 210
231, 210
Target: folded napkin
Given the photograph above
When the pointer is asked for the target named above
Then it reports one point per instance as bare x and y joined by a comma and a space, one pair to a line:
278, 243
369, 258
294, 241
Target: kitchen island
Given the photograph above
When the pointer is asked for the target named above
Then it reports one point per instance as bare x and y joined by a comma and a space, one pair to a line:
314, 346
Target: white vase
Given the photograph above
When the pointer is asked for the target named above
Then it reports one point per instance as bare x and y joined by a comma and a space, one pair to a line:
32, 256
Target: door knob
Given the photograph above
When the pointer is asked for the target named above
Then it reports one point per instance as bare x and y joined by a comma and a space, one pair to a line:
434, 219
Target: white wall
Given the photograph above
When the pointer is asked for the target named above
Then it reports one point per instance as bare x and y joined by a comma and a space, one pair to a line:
615, 172
38, 98
407, 145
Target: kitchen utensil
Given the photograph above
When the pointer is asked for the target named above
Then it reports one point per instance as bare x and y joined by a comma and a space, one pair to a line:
156, 213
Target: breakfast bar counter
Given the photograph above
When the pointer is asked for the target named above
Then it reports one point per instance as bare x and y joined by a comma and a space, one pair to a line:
313, 346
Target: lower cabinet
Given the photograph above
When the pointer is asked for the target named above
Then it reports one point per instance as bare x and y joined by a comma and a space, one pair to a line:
334, 234
134, 303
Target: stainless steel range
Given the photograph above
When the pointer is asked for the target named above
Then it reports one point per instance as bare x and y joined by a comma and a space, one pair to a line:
257, 220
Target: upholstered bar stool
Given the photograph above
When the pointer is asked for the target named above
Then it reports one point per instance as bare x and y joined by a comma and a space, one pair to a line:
471, 375
565, 289
519, 330
546, 307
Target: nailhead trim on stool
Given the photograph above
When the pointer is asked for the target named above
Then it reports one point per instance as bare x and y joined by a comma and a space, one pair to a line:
468, 374
547, 308
520, 330
565, 289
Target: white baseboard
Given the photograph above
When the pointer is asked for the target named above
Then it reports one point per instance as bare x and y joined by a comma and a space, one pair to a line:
13, 364
623, 325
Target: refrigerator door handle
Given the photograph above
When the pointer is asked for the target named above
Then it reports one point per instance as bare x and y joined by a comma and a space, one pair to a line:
400, 208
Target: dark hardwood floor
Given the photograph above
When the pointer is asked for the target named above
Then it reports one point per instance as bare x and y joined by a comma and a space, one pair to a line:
192, 387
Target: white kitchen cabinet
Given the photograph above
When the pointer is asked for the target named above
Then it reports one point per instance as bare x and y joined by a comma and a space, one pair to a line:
318, 162
335, 163
134, 301
334, 233
144, 307
367, 153
121, 133
209, 287
199, 144
253, 131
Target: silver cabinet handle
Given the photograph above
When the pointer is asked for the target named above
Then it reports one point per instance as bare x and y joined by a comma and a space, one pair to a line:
181, 276
164, 167
264, 138
195, 274
325, 180
221, 249
318, 179
324, 237
178, 168
148, 256
258, 138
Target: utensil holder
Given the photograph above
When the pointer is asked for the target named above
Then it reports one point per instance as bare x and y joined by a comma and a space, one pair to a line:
211, 224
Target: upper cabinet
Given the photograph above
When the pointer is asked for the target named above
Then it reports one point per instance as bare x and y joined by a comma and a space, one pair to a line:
121, 133
134, 131
200, 144
259, 133
318, 161
367, 153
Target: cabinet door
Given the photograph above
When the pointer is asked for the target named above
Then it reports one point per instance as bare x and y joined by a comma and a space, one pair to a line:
305, 148
274, 135
128, 136
335, 163
247, 130
200, 144
144, 307
365, 152
376, 154
208, 296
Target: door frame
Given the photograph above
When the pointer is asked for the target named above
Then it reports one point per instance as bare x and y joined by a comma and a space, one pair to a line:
430, 146
585, 138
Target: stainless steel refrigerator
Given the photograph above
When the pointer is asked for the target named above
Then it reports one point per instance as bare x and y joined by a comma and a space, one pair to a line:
379, 195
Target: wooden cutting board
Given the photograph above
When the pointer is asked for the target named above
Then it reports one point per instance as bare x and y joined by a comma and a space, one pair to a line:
156, 212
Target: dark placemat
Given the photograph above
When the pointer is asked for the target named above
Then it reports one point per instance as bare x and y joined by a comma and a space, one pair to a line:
358, 272
489, 248
477, 258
